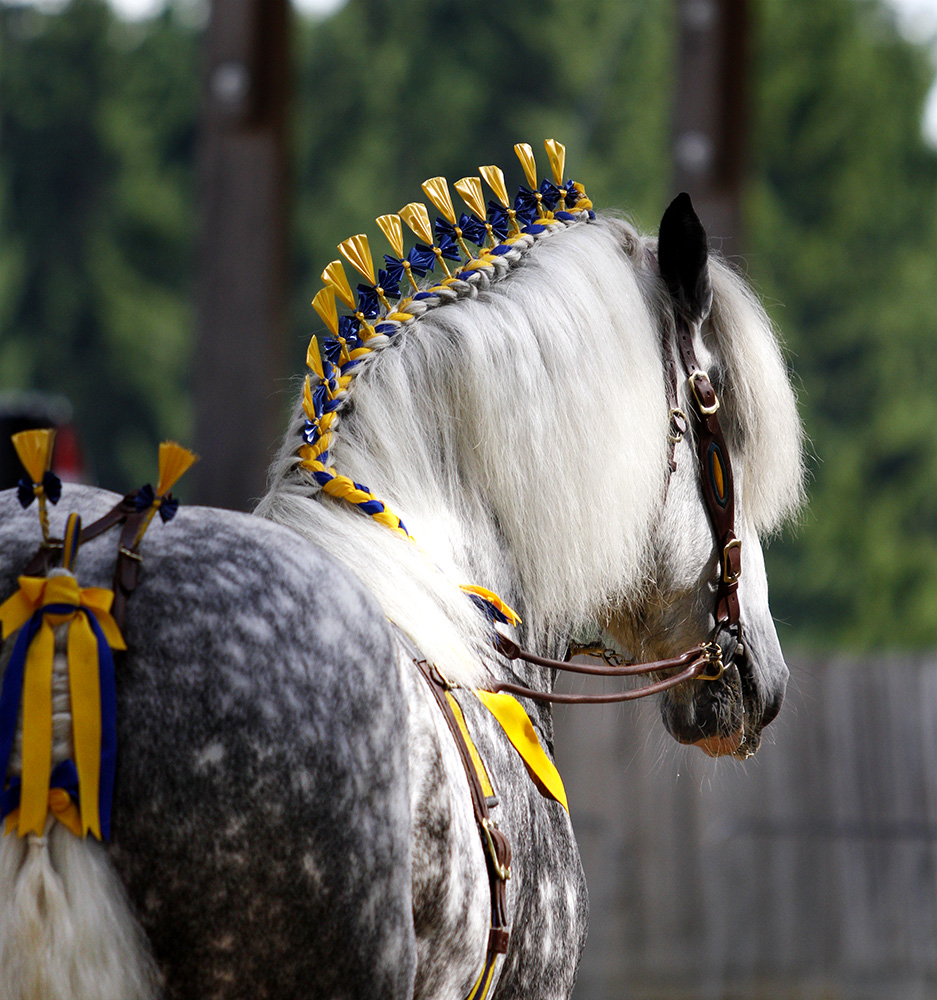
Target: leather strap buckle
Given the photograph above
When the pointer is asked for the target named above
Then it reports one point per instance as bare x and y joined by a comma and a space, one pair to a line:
732, 557
704, 392
502, 870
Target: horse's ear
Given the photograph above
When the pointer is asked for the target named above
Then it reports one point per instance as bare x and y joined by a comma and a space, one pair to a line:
682, 254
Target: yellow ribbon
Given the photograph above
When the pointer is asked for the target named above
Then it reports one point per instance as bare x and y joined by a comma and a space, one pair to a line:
34, 594
62, 808
520, 731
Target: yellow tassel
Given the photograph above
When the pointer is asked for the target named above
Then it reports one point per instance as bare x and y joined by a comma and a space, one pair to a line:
492, 598
35, 451
556, 153
357, 252
526, 155
174, 462
334, 277
494, 178
308, 408
314, 359
324, 305
437, 190
391, 228
417, 218
470, 191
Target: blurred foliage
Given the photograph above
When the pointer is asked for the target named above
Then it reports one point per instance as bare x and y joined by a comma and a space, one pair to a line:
97, 130
97, 127
843, 237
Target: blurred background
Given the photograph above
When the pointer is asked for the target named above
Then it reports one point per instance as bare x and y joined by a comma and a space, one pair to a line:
173, 178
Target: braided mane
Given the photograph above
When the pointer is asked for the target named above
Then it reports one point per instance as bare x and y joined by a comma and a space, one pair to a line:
509, 424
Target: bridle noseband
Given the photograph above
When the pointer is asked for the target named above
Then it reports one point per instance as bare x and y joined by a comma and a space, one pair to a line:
704, 661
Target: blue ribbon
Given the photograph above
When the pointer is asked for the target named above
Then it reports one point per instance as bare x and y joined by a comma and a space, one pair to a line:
525, 205
572, 194
391, 287
11, 695
26, 491
368, 304
422, 259
146, 497
448, 247
332, 349
498, 217
348, 327
473, 229
64, 776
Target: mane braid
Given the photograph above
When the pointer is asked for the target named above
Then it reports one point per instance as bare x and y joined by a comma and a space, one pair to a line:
357, 339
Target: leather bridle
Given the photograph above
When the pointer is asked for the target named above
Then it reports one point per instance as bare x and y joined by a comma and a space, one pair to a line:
704, 661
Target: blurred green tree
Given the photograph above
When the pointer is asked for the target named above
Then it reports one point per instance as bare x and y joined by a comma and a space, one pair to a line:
97, 125
843, 238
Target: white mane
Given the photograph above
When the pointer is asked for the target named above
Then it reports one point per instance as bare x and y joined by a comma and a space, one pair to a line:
521, 435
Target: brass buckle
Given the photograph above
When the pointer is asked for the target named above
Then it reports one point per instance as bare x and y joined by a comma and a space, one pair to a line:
728, 577
713, 653
703, 408
502, 871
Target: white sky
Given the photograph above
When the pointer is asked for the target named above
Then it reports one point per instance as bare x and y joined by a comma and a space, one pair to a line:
917, 17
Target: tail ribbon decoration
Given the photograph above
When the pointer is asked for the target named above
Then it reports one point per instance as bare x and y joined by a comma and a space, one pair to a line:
34, 610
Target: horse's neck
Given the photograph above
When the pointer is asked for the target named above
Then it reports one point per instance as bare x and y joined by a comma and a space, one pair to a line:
521, 437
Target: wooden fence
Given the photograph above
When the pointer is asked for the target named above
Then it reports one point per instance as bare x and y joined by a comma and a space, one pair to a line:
809, 872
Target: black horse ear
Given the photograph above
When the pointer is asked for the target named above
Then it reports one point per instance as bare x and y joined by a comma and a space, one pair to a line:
682, 254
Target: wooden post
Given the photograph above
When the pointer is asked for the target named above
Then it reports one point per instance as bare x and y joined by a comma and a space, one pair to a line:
710, 114
243, 249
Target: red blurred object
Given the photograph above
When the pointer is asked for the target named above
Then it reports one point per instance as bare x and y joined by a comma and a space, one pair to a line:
24, 411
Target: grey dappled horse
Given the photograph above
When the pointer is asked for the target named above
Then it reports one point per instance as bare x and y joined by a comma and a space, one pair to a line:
291, 816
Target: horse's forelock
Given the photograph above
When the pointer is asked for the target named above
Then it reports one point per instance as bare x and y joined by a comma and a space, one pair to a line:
765, 428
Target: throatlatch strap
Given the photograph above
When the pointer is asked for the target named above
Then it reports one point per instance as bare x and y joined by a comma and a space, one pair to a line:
496, 847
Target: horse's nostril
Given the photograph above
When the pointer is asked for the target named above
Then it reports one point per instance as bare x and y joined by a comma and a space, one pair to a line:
772, 708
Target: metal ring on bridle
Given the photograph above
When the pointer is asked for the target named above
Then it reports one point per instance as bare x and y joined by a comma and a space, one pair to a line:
713, 653
678, 424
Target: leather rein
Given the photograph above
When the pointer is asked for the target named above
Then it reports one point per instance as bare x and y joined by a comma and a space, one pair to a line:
704, 661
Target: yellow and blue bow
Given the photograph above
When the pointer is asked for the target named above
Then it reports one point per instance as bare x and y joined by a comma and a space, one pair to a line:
34, 610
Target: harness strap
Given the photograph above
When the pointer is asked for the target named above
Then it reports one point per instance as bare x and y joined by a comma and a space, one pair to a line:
127, 569
716, 479
496, 847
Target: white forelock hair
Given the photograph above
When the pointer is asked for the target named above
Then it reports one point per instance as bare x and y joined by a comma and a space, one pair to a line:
518, 426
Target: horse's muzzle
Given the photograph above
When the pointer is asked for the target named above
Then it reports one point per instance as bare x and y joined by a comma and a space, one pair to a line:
723, 717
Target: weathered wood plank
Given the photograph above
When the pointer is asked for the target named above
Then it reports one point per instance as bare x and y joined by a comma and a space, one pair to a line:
808, 872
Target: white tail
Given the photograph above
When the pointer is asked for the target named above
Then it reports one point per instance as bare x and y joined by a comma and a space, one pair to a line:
66, 928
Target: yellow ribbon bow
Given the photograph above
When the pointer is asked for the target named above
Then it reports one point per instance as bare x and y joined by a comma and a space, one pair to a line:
73, 605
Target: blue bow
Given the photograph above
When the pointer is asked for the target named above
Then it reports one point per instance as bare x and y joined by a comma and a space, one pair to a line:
51, 485
146, 497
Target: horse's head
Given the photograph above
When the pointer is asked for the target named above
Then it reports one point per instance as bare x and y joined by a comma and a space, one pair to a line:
727, 333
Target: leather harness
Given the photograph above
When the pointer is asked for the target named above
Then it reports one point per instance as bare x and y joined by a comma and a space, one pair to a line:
127, 569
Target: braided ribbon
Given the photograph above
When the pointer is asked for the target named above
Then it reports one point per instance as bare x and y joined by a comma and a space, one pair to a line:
35, 609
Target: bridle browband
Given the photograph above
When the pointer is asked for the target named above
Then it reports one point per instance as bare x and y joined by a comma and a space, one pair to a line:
704, 661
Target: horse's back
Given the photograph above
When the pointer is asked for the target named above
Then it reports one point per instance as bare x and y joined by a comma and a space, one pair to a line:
261, 776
